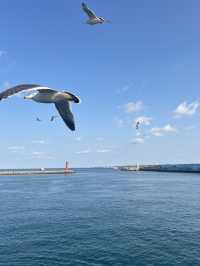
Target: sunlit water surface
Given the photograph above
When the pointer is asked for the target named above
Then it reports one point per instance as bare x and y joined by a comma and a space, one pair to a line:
100, 217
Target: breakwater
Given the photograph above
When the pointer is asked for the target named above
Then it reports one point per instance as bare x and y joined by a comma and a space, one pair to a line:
39, 171
179, 168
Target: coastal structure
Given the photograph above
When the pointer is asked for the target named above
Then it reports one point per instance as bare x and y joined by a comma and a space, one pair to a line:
130, 168
41, 171
38, 171
179, 168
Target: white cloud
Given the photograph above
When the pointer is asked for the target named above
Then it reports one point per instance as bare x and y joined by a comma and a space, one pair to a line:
16, 148
103, 150
41, 155
169, 128
132, 107
160, 131
42, 142
83, 152
145, 120
186, 109
138, 141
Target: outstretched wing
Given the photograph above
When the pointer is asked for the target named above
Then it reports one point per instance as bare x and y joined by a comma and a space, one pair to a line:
45, 90
88, 11
24, 87
66, 114
13, 90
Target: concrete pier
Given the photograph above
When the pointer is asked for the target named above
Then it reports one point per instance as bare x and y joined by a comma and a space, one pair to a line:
178, 168
36, 172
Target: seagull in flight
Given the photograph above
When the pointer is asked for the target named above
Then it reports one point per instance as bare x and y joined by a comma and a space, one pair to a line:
38, 119
137, 124
93, 19
41, 94
53, 117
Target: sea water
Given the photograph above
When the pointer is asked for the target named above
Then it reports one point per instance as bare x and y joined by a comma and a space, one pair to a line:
100, 217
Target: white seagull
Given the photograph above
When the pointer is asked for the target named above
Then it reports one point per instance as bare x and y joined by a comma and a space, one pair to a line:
41, 94
93, 19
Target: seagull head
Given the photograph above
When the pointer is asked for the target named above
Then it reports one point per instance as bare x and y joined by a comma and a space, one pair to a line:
101, 19
72, 97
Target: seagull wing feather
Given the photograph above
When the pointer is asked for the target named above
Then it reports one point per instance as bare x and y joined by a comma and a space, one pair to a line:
63, 108
45, 90
24, 87
13, 90
88, 11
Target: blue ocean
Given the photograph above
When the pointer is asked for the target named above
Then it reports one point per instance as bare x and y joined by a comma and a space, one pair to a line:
100, 217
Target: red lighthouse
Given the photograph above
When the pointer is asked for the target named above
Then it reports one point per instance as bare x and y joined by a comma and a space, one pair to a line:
66, 166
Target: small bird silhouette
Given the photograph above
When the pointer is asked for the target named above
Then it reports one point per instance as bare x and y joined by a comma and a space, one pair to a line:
38, 119
53, 117
137, 125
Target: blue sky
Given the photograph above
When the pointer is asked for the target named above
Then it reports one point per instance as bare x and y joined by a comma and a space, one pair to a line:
144, 65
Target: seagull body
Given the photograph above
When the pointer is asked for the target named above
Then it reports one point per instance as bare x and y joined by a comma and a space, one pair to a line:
40, 94
137, 125
46, 95
93, 18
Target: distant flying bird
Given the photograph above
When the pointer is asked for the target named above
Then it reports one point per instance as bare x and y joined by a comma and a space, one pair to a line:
53, 117
41, 94
137, 125
93, 19
38, 119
